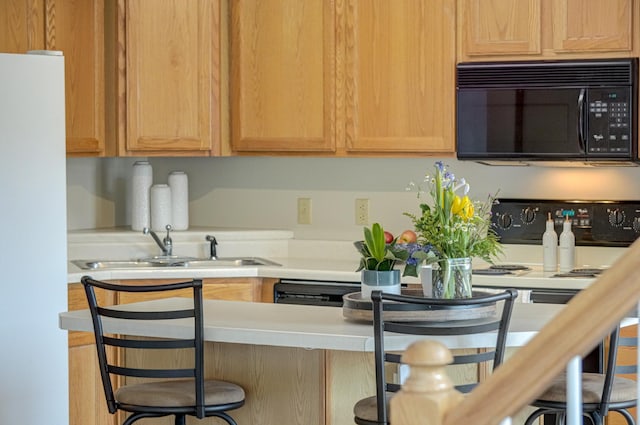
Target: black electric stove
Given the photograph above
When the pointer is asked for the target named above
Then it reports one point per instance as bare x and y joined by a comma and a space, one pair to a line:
594, 223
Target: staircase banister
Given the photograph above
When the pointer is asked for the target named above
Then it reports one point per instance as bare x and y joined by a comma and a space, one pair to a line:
579, 327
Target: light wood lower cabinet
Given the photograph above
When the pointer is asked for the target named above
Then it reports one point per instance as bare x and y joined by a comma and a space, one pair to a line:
87, 405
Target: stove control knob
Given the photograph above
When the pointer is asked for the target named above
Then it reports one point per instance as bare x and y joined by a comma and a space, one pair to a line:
636, 224
505, 221
528, 215
616, 217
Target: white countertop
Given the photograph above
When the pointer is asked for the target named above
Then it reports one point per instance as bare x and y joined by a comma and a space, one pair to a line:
310, 327
299, 259
323, 270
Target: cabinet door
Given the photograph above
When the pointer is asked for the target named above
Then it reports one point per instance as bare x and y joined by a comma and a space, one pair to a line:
499, 27
87, 403
231, 289
283, 75
169, 79
592, 25
21, 25
77, 28
399, 75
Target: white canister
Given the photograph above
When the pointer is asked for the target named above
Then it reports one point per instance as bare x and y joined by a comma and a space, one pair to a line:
141, 181
160, 195
179, 184
426, 279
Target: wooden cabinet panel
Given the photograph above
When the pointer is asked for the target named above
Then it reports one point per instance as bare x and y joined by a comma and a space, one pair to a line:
21, 25
283, 385
500, 26
283, 75
77, 28
540, 29
169, 81
87, 403
592, 25
400, 59
239, 289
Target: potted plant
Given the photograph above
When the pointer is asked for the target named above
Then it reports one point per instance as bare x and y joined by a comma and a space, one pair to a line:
457, 229
380, 258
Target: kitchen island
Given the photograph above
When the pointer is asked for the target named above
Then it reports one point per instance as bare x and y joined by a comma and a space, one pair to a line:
329, 378
301, 365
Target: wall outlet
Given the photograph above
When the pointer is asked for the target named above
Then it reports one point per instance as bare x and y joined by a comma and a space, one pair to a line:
304, 210
362, 212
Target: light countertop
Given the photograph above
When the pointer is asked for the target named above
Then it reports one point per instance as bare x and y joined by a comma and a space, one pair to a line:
311, 327
323, 270
298, 259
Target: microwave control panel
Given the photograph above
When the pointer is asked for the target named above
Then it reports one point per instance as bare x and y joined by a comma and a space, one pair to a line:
594, 223
608, 121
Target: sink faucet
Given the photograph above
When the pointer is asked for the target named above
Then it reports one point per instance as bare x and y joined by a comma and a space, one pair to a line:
212, 247
166, 245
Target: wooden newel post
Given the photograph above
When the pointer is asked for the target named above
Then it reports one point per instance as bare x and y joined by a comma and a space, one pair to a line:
428, 393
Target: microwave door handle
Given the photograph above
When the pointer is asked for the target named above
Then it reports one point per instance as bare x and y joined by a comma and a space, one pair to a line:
581, 119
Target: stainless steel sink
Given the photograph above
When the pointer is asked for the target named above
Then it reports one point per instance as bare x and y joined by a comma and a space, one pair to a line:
172, 261
230, 262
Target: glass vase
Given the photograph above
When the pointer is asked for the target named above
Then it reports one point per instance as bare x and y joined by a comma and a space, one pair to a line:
452, 278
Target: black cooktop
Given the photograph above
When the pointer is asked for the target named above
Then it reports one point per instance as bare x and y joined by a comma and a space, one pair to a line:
594, 223
500, 269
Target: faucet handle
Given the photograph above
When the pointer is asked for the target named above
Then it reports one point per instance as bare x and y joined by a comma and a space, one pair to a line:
167, 240
212, 247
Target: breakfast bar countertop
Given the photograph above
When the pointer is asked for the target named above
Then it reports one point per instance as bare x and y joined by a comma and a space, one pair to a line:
310, 327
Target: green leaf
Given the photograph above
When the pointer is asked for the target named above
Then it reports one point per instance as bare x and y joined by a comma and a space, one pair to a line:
374, 239
410, 270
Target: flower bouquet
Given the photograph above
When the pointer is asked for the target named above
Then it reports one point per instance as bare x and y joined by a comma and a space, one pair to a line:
457, 229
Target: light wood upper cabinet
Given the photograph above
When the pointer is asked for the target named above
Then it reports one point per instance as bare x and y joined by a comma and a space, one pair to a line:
169, 77
500, 26
21, 25
76, 28
399, 76
343, 78
592, 25
540, 29
283, 75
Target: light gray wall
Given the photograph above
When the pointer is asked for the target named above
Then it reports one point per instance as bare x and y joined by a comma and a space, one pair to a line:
262, 192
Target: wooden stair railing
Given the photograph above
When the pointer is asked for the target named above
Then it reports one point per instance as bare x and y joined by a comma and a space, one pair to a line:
584, 322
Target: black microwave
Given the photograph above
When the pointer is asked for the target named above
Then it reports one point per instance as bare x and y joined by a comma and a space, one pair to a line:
571, 110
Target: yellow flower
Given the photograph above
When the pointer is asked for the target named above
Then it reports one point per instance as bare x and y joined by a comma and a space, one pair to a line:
456, 205
470, 210
462, 207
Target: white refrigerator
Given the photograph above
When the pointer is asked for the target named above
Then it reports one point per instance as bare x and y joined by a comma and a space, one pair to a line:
33, 240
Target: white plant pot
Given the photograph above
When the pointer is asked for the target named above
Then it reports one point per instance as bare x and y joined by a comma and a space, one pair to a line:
385, 281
